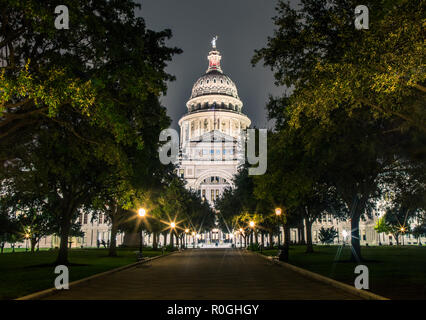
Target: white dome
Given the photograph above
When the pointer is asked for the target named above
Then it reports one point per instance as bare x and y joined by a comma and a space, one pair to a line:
214, 83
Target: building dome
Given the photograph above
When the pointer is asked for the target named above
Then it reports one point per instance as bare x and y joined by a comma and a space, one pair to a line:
214, 90
214, 82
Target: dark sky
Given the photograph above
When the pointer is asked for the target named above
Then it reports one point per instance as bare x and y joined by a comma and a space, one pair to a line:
242, 27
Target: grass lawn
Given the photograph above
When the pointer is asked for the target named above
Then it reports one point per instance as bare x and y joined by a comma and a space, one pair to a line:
395, 272
21, 273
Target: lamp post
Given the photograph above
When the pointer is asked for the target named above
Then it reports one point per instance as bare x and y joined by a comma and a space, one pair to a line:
252, 226
172, 229
193, 239
27, 236
141, 213
241, 238
278, 212
283, 253
402, 230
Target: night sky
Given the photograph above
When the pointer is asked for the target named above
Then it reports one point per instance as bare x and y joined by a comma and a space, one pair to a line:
241, 25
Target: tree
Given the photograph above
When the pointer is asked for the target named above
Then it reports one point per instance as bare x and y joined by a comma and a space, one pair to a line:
381, 227
375, 122
316, 48
85, 102
9, 228
419, 231
327, 235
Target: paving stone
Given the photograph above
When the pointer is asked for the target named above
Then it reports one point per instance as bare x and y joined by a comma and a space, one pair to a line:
201, 274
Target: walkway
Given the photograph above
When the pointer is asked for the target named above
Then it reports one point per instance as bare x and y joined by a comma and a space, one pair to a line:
205, 274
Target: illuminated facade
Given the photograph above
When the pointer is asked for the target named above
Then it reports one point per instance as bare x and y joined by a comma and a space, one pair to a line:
210, 132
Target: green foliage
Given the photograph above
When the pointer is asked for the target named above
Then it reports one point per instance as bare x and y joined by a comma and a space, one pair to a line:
352, 125
327, 235
86, 103
381, 226
419, 231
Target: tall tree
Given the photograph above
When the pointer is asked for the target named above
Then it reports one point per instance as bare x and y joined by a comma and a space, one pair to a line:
85, 101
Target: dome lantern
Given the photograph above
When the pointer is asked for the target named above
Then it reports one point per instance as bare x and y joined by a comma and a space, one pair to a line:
214, 58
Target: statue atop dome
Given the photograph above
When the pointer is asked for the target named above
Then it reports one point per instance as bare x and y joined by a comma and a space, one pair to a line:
214, 42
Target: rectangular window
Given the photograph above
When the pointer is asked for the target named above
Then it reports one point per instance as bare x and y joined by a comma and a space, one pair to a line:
204, 194
80, 218
224, 151
218, 151
204, 151
212, 195
211, 151
85, 218
217, 193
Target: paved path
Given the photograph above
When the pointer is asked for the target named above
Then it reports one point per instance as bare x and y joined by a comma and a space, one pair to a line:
205, 274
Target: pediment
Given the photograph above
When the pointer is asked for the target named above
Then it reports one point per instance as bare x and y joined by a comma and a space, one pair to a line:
214, 135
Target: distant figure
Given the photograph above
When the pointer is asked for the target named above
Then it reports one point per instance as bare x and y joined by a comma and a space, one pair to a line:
98, 243
104, 243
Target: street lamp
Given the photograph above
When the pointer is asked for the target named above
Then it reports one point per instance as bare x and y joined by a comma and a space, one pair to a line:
252, 225
402, 230
193, 239
283, 253
278, 212
172, 228
27, 236
142, 214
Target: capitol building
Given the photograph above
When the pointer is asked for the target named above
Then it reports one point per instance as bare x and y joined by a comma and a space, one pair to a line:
211, 151
211, 131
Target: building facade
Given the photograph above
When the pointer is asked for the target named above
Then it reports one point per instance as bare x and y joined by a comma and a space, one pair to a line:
211, 146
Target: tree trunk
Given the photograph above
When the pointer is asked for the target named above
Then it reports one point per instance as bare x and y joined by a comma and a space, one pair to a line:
154, 241
171, 239
62, 258
309, 246
286, 236
113, 241
302, 233
165, 239
33, 243
279, 236
396, 236
271, 240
